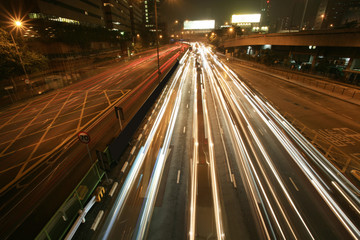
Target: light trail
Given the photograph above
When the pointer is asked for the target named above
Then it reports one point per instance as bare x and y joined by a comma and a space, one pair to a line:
148, 205
134, 171
215, 191
314, 178
269, 162
193, 164
250, 177
242, 152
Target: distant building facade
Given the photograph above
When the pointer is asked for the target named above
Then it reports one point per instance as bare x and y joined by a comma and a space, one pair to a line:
265, 8
337, 14
136, 17
149, 14
117, 15
87, 12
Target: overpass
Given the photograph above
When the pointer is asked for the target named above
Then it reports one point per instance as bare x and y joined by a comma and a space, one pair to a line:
332, 38
340, 46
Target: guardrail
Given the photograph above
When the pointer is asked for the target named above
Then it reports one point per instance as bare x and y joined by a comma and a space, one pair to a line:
118, 146
62, 220
330, 86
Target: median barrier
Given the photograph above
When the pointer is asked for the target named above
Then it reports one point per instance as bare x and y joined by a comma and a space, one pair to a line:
64, 217
119, 144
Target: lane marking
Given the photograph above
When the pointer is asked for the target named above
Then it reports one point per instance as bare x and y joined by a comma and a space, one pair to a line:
132, 150
293, 184
187, 105
140, 136
97, 220
15, 116
124, 167
145, 126
107, 98
233, 180
184, 130
26, 127
44, 134
346, 116
178, 177
113, 188
82, 111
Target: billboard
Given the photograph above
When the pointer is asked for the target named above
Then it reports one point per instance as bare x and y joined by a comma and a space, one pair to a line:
246, 18
200, 24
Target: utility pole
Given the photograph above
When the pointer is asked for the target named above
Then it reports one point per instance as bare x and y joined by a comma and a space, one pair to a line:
18, 53
157, 37
303, 16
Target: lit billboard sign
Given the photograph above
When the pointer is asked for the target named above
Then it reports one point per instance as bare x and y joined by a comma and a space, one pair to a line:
246, 18
201, 24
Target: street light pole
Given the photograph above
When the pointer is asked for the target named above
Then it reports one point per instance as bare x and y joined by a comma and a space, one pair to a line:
157, 38
303, 16
18, 53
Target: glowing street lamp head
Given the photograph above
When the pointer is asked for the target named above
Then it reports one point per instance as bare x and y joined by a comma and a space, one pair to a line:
18, 23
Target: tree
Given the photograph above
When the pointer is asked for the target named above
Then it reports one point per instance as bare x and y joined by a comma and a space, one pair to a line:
10, 64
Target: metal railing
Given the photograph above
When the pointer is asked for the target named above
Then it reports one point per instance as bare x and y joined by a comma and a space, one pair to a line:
327, 85
62, 220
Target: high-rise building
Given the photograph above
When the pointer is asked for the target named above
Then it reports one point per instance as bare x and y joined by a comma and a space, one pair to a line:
337, 14
117, 15
87, 12
265, 8
149, 14
136, 17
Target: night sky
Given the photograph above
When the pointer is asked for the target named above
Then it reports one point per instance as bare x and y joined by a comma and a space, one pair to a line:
221, 10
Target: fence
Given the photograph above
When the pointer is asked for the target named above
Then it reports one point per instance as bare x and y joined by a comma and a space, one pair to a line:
62, 220
311, 81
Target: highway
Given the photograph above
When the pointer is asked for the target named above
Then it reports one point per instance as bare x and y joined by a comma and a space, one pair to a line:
217, 161
38, 146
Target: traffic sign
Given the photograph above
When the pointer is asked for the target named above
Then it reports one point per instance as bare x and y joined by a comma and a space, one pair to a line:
84, 137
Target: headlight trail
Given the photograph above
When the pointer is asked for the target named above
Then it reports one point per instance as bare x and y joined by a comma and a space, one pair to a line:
148, 205
316, 181
215, 191
134, 171
193, 164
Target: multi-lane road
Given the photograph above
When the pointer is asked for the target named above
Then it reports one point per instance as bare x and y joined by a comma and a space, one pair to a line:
38, 137
217, 161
